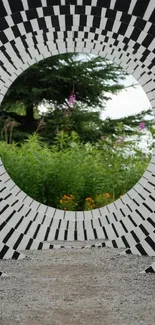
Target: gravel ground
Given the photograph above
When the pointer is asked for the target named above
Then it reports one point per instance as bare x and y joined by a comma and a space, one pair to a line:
77, 287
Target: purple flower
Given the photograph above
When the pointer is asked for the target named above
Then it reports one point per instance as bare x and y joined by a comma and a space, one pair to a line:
72, 99
142, 125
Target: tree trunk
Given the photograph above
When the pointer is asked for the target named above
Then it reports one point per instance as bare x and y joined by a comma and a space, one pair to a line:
29, 114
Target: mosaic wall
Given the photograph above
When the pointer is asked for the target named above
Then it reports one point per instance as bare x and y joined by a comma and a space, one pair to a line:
122, 31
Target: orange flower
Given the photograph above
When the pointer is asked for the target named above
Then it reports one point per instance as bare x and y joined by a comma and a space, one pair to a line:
107, 194
60, 201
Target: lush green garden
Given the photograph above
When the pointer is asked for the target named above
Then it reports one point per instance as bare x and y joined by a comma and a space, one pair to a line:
68, 157
71, 175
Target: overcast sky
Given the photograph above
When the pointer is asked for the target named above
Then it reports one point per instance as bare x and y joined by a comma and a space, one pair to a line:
127, 102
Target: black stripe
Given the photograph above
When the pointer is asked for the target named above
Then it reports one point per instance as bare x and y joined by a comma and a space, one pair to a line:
43, 219
6, 197
15, 246
28, 227
107, 219
149, 240
152, 198
35, 216
85, 234
40, 246
3, 224
20, 207
151, 222
115, 230
151, 184
115, 216
29, 244
59, 224
10, 216
136, 202
9, 234
129, 207
114, 243
125, 241
135, 236
75, 235
47, 233
139, 213
66, 234
123, 226
147, 207
3, 251
36, 232
2, 188
122, 212
150, 270
128, 251
51, 223
14, 203
95, 233
15, 255
4, 208
105, 233
141, 249
100, 222
134, 223
19, 222
56, 234
144, 230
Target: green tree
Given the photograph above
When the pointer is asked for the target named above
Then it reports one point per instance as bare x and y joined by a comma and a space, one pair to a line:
55, 78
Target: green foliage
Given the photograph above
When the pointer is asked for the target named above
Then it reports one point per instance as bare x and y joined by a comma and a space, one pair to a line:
54, 78
73, 168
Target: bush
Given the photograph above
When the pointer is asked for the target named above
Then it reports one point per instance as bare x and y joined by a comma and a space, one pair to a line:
72, 169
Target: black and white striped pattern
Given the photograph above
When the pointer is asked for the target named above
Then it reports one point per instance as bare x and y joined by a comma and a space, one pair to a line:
121, 30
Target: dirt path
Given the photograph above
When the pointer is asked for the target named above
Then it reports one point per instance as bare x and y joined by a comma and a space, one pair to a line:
77, 287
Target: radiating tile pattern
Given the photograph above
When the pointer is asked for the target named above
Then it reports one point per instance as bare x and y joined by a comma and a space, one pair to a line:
122, 31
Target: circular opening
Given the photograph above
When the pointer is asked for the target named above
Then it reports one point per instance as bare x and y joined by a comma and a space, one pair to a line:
58, 144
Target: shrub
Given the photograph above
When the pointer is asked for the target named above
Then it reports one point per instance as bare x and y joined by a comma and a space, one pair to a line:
66, 175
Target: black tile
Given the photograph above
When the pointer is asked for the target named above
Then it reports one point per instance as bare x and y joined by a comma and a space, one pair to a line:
135, 34
83, 20
55, 21
64, 10
3, 12
122, 5
140, 8
31, 14
69, 20
16, 5
140, 23
48, 11
17, 18
34, 3
147, 41
42, 23
96, 11
3, 24
80, 10
103, 3
96, 22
